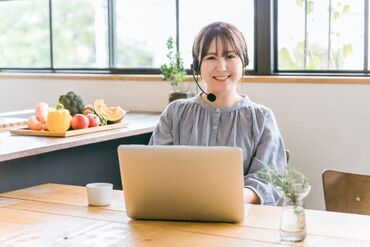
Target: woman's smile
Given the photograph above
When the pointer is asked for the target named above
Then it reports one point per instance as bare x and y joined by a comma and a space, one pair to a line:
221, 78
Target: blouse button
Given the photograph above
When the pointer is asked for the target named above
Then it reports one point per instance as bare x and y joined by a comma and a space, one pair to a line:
215, 127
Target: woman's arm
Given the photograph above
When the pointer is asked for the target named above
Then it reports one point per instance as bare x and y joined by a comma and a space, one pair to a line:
162, 134
251, 197
270, 154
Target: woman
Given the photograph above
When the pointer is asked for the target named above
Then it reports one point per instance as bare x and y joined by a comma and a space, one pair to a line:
225, 118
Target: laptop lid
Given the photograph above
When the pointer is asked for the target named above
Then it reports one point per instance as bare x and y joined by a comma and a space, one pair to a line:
182, 182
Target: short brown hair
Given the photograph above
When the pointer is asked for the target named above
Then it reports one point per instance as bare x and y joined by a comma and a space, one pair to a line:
226, 33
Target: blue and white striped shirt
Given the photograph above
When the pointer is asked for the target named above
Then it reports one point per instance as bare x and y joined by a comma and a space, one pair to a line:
247, 125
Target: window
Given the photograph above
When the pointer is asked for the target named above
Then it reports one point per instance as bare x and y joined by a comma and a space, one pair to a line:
80, 38
142, 28
321, 35
127, 36
24, 34
107, 35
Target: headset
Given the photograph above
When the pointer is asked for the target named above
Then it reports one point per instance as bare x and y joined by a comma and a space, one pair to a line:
195, 69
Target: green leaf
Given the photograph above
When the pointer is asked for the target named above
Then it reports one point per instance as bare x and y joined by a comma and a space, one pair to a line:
173, 71
285, 60
314, 62
290, 181
336, 14
300, 3
346, 50
345, 9
310, 7
300, 46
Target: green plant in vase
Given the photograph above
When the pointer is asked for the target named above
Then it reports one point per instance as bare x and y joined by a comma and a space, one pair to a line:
292, 183
173, 72
294, 187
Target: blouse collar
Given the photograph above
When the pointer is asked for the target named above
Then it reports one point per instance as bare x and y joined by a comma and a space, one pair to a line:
244, 102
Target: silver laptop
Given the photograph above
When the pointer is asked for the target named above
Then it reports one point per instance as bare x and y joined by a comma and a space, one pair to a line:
182, 182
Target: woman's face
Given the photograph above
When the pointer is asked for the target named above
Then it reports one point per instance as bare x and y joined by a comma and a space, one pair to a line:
219, 71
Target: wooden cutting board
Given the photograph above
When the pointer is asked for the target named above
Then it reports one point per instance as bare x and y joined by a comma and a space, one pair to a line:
29, 132
7, 123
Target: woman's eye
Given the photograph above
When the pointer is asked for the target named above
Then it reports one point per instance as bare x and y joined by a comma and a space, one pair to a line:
231, 56
210, 58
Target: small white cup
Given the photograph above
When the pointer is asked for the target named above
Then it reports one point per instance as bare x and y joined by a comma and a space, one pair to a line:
99, 194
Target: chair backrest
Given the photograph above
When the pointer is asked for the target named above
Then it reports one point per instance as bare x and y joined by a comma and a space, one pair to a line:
346, 192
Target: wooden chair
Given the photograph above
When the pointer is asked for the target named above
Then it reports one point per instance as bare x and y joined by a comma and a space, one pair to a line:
346, 192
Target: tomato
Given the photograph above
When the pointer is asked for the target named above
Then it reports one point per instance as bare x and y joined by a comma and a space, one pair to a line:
94, 120
79, 121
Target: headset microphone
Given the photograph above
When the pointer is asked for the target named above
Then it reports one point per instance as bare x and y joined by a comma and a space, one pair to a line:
210, 96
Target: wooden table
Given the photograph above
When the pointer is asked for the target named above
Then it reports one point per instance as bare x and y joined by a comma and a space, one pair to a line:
58, 215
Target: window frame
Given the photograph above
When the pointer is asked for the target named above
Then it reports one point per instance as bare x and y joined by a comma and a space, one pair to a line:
265, 44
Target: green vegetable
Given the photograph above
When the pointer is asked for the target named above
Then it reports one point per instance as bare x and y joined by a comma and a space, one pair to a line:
72, 102
103, 120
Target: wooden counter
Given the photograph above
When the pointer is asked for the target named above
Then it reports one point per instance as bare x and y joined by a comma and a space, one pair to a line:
14, 146
29, 160
58, 215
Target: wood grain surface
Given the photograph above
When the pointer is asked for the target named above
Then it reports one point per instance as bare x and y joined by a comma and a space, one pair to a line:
29, 132
58, 215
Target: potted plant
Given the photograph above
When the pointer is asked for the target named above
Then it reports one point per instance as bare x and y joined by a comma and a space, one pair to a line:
294, 187
174, 73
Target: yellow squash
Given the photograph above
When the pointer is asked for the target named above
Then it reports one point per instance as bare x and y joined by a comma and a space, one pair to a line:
58, 120
111, 113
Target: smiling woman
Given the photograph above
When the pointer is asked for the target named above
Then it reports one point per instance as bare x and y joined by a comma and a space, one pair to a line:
219, 57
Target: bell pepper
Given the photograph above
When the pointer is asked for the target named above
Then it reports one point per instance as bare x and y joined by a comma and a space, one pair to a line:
58, 120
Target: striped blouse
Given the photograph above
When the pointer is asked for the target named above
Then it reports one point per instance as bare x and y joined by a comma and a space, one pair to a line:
247, 125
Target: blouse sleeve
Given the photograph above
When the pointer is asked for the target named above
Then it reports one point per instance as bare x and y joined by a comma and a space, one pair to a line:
162, 134
269, 153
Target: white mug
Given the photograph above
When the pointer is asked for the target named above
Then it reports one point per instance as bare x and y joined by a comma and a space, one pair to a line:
99, 194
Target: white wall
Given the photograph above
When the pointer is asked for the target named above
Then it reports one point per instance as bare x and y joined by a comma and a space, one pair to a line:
133, 95
325, 126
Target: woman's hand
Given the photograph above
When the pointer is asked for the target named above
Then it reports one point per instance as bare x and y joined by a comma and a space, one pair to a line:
251, 197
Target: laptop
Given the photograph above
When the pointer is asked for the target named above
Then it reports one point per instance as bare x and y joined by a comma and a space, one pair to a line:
186, 183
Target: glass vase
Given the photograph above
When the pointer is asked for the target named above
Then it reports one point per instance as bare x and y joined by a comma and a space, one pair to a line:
293, 222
